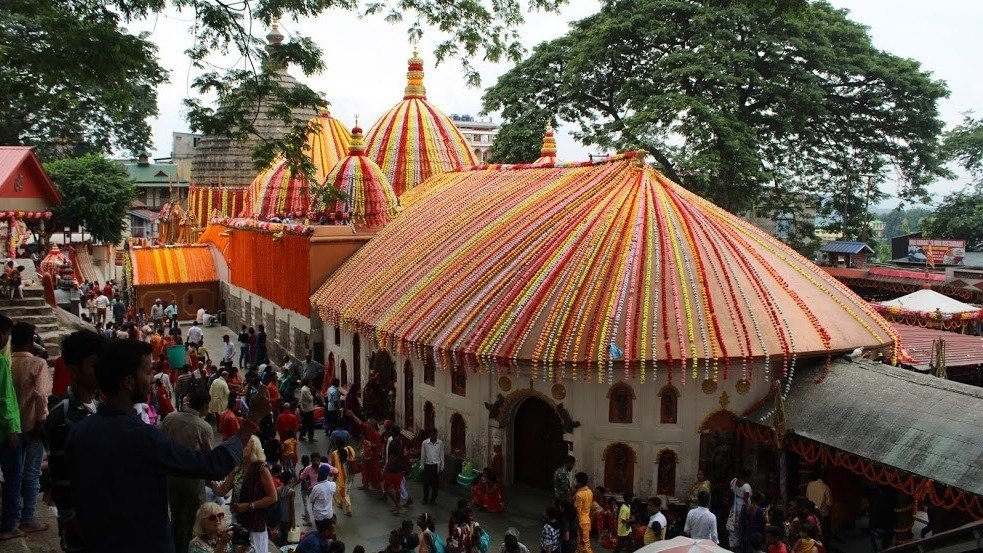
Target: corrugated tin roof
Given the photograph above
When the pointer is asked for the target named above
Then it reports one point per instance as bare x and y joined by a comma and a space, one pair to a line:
172, 265
841, 246
960, 349
903, 419
11, 157
152, 173
145, 214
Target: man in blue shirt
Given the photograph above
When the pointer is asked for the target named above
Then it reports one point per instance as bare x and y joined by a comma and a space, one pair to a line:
119, 464
319, 541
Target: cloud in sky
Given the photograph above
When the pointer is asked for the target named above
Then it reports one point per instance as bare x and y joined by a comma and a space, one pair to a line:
366, 61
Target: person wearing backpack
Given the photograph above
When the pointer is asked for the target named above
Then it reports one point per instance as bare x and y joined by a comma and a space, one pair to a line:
430, 541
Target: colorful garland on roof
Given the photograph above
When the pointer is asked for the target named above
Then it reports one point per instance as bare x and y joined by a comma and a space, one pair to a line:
369, 199
414, 139
244, 223
595, 264
277, 193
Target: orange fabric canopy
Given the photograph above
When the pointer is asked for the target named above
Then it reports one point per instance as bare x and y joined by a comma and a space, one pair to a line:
172, 265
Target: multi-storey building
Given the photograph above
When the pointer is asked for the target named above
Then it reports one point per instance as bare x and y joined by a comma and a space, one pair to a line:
479, 134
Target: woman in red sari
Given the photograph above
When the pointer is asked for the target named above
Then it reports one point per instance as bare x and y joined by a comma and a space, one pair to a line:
371, 455
488, 493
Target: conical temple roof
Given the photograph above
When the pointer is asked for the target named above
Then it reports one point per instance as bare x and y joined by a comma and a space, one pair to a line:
369, 198
588, 265
276, 192
414, 139
547, 154
220, 160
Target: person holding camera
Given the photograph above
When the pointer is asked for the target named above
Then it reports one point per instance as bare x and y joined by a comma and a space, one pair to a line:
253, 491
212, 533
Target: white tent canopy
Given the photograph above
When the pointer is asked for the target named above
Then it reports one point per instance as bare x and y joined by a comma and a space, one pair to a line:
930, 301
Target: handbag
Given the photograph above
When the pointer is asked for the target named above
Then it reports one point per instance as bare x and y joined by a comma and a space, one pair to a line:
484, 542
293, 536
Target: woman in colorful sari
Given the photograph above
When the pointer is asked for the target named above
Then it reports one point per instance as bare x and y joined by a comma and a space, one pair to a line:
371, 453
488, 493
340, 459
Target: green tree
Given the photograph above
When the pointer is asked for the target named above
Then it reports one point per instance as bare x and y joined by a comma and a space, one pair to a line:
467, 30
733, 100
964, 145
960, 215
95, 193
72, 80
903, 220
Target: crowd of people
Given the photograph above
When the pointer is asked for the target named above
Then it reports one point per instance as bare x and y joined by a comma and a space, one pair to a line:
124, 425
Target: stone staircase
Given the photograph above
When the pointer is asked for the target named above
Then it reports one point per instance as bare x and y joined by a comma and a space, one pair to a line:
33, 309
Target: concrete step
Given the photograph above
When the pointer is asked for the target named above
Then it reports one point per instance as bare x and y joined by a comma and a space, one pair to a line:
26, 310
33, 292
26, 301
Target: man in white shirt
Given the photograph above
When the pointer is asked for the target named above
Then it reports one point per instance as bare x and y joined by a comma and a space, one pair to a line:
194, 333
432, 459
322, 495
742, 493
200, 315
701, 524
228, 351
157, 312
102, 305
306, 401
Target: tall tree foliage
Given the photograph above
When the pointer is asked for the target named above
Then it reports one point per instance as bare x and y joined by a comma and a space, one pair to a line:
960, 215
739, 101
72, 79
69, 58
964, 145
95, 193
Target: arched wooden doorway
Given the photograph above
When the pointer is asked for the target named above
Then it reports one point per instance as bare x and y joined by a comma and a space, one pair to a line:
720, 454
619, 468
408, 395
429, 416
357, 362
537, 443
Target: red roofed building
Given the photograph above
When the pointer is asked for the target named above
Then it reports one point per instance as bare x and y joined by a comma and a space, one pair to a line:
26, 194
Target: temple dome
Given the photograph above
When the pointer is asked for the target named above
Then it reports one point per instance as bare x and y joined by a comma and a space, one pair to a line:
222, 160
277, 192
592, 265
414, 139
547, 154
369, 199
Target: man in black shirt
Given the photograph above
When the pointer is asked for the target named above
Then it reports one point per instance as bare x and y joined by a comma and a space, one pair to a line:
118, 465
79, 350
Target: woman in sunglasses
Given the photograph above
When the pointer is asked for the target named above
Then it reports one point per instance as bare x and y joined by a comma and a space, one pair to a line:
211, 532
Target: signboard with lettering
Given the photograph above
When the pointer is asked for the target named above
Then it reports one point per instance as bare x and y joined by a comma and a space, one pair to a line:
936, 251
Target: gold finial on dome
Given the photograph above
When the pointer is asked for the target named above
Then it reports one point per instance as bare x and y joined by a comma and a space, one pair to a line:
324, 111
414, 78
357, 145
549, 142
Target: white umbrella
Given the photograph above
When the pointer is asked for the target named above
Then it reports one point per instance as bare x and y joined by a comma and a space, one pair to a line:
682, 544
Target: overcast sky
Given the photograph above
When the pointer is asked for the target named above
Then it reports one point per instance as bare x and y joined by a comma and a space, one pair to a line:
366, 61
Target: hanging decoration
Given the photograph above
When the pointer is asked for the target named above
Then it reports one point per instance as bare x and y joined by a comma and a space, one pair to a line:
414, 139
581, 268
369, 200
277, 192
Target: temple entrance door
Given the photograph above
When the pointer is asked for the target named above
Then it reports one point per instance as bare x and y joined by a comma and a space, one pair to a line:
537, 443
720, 457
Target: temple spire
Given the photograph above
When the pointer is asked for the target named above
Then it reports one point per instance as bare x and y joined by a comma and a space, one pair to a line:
549, 143
357, 145
414, 78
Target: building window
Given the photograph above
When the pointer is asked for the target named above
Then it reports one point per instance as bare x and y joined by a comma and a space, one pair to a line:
668, 404
459, 381
458, 436
429, 369
337, 335
619, 468
408, 395
429, 416
620, 399
666, 480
